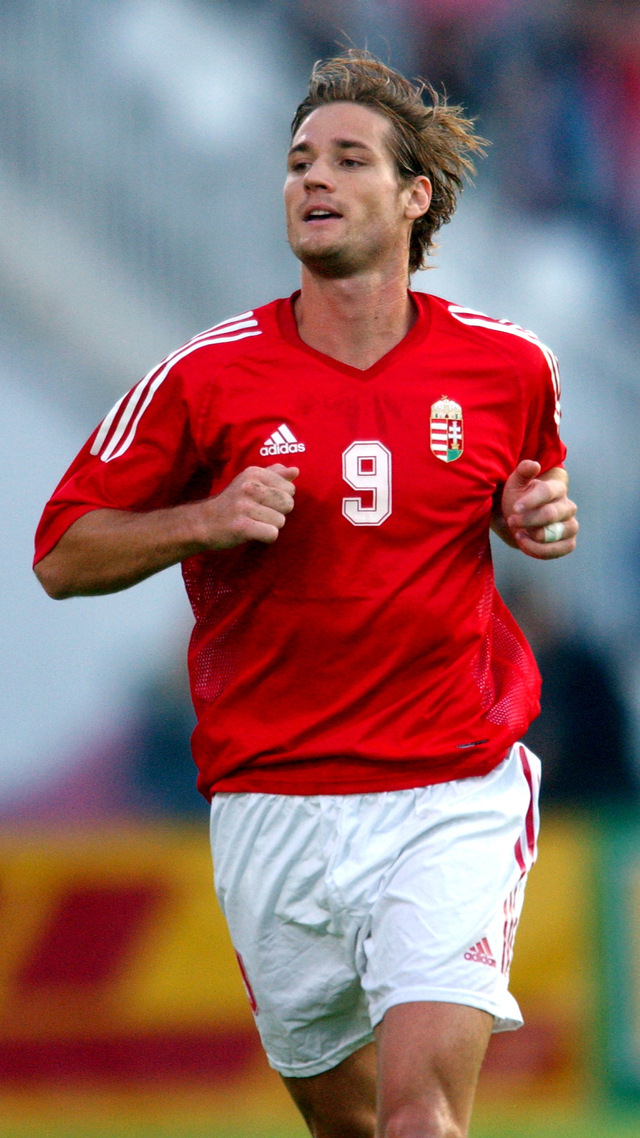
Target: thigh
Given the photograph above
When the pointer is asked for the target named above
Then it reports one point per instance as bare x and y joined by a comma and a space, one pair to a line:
340, 1103
429, 1059
420, 1078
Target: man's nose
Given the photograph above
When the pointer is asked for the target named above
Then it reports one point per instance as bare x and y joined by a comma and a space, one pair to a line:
318, 175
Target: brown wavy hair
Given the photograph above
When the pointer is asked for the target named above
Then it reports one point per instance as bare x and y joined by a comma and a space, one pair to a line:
429, 138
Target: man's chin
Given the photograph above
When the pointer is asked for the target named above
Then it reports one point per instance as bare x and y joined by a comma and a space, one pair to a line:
335, 262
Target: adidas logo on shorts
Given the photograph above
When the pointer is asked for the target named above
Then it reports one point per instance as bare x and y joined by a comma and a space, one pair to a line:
282, 441
481, 953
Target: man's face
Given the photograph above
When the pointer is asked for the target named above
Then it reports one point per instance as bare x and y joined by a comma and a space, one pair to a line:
346, 207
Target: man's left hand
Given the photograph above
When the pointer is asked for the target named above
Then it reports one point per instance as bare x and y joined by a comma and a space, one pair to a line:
537, 516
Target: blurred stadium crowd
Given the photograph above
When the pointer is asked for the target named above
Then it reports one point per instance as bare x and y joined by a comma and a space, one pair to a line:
558, 87
141, 147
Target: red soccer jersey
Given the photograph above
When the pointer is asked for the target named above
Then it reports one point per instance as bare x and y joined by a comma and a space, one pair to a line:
366, 649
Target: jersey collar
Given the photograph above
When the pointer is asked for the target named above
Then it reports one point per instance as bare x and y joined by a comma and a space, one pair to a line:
418, 333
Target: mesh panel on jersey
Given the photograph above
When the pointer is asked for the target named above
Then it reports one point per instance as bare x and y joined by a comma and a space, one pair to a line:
513, 675
503, 669
482, 663
215, 667
485, 569
482, 673
214, 656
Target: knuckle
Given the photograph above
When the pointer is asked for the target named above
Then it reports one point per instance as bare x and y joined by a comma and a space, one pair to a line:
239, 528
254, 491
244, 507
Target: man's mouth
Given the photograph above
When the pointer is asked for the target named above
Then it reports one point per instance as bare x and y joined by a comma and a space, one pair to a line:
320, 214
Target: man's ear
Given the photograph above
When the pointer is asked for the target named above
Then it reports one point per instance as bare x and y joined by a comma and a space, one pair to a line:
420, 198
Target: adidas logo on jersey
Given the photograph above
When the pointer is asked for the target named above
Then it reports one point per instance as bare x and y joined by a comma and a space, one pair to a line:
282, 441
481, 953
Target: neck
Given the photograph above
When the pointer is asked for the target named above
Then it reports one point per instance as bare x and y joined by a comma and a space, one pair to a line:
355, 320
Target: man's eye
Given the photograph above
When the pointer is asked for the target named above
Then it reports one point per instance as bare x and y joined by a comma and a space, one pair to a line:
351, 162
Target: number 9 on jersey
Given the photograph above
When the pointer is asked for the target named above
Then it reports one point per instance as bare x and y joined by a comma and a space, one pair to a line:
366, 466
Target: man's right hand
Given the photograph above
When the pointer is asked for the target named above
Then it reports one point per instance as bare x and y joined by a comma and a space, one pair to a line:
253, 507
108, 550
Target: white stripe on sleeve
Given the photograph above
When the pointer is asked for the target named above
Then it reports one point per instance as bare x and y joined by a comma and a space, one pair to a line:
110, 453
235, 328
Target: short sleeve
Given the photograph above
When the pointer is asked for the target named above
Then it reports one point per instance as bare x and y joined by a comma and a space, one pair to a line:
141, 457
542, 440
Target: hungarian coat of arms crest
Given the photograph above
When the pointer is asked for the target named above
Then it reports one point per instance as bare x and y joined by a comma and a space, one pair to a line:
447, 430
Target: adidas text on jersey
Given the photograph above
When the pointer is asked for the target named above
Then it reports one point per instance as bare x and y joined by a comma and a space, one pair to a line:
282, 441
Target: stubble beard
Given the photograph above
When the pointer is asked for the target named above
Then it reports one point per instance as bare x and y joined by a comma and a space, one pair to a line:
345, 259
334, 263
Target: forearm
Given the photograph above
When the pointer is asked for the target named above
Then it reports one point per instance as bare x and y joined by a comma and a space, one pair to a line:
106, 551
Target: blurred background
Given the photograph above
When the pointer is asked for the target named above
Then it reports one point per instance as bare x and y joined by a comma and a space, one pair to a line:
142, 152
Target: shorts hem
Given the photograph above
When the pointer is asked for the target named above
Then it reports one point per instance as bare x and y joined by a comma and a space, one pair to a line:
305, 1070
501, 1021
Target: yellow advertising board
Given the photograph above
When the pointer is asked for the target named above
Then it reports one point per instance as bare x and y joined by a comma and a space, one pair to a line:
118, 981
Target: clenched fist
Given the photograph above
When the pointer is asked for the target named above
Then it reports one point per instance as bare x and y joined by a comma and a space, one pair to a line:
537, 516
253, 507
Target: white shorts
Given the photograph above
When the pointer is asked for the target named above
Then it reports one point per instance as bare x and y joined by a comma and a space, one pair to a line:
341, 906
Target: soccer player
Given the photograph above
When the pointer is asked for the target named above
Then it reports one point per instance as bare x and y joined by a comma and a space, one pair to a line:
359, 684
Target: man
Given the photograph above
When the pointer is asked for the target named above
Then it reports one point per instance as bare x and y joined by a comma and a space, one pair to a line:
359, 684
